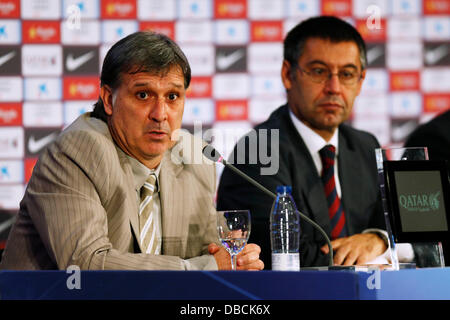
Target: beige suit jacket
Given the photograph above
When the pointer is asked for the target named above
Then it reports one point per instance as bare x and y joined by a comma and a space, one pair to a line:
80, 208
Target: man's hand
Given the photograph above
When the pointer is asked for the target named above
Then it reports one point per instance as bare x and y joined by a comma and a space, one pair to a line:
357, 249
247, 259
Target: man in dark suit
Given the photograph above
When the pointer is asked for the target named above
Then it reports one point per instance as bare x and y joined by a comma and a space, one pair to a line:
323, 70
435, 135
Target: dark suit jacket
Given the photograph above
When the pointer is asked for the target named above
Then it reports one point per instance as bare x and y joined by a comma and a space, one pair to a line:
435, 135
357, 174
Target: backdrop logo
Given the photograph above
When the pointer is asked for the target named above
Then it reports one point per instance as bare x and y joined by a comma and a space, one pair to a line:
165, 27
231, 9
9, 9
420, 202
41, 31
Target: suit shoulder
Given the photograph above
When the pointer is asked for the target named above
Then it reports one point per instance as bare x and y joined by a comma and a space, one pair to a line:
357, 136
85, 145
275, 120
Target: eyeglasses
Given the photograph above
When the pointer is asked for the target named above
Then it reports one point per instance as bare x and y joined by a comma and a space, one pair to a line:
320, 75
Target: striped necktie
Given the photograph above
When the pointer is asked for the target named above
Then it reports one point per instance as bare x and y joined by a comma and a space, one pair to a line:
147, 227
335, 209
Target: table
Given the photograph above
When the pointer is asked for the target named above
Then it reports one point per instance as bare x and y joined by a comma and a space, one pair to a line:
428, 283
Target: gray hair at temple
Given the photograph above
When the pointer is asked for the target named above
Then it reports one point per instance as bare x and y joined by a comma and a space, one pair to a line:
324, 27
142, 51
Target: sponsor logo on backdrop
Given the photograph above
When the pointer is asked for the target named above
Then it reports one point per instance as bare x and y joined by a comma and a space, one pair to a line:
370, 9
11, 89
231, 59
81, 60
267, 31
88, 33
41, 31
232, 110
114, 30
73, 109
157, 10
37, 139
404, 28
165, 27
42, 60
340, 8
371, 34
267, 86
11, 171
11, 142
435, 80
265, 58
404, 55
192, 31
436, 102
229, 32
200, 87
10, 9
10, 196
376, 82
10, 114
231, 86
265, 9
195, 9
406, 7
39, 9
304, 8
406, 104
437, 54
437, 28
42, 88
118, 9
10, 32
202, 110
29, 166
230, 9
201, 59
10, 60
437, 7
88, 9
376, 55
81, 88
259, 109
42, 114
372, 105
407, 80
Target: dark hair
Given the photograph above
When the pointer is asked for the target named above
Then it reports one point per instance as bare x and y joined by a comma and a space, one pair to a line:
324, 27
142, 51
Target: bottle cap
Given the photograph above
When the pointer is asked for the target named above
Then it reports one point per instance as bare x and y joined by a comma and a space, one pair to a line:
284, 189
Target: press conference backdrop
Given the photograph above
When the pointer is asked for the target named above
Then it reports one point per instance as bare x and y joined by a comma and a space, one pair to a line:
51, 53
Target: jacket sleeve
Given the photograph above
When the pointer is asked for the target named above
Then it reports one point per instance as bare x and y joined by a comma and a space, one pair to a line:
66, 199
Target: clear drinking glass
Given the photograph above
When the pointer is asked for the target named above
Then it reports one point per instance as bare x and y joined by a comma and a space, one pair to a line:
233, 228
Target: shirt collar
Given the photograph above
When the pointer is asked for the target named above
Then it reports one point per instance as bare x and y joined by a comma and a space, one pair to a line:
141, 172
314, 142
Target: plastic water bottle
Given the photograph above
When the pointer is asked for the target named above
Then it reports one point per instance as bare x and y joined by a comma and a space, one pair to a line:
285, 232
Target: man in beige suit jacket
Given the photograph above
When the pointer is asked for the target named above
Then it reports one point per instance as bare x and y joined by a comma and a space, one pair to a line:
81, 206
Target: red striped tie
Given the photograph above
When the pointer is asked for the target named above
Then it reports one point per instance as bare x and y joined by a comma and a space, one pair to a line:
335, 209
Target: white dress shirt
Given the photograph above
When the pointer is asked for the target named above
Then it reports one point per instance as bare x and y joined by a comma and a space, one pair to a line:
314, 142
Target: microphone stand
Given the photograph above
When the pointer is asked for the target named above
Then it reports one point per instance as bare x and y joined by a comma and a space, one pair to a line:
273, 195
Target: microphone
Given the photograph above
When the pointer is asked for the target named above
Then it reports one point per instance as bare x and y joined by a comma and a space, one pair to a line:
213, 155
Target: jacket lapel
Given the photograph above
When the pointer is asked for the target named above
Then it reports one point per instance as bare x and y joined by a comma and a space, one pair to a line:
173, 215
131, 200
312, 197
349, 168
